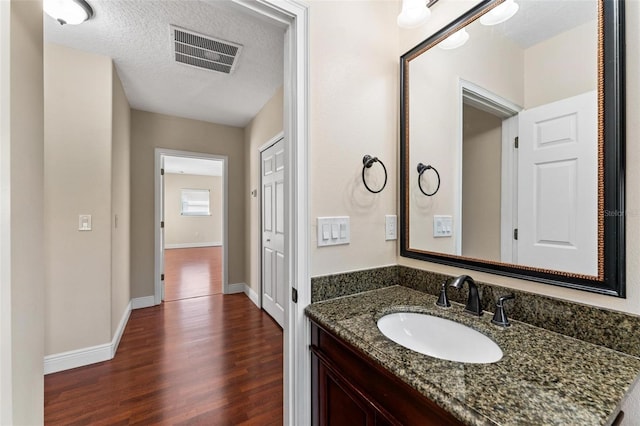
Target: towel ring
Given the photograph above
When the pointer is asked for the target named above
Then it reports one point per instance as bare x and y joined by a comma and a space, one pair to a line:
368, 161
421, 169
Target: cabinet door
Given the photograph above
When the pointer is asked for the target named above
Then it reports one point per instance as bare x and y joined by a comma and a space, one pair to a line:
340, 404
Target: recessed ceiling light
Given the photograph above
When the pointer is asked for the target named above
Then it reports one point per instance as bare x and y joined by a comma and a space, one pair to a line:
72, 12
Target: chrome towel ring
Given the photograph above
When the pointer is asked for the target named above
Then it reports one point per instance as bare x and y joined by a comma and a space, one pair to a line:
368, 161
421, 169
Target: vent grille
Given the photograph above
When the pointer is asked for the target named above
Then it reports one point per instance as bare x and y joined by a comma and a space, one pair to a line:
200, 51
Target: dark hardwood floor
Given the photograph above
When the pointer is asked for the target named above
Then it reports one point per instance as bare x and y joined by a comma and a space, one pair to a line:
192, 272
214, 360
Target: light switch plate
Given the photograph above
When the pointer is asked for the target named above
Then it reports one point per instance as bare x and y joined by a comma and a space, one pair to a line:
84, 222
333, 231
442, 226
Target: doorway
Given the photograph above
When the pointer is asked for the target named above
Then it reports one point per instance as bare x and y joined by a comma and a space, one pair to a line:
191, 213
193, 227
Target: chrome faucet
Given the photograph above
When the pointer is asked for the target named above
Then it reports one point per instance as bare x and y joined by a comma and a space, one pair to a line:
473, 301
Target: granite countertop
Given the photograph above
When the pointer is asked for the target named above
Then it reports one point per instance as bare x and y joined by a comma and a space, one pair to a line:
543, 377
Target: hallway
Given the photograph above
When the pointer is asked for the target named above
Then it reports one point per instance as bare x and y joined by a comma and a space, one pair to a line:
213, 360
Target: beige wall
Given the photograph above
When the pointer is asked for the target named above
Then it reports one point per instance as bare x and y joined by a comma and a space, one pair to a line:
435, 121
264, 126
562, 66
120, 201
21, 221
353, 97
186, 230
632, 303
150, 131
78, 109
481, 182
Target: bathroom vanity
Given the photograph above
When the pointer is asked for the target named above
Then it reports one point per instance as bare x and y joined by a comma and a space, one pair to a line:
362, 377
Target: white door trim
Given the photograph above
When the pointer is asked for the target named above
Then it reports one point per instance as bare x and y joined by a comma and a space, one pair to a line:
294, 16
261, 149
159, 153
6, 391
484, 100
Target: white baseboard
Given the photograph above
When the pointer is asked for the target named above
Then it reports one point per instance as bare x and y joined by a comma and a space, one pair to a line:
86, 356
143, 302
191, 245
235, 288
252, 295
120, 330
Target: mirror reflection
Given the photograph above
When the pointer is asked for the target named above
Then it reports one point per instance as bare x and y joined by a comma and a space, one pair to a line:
508, 115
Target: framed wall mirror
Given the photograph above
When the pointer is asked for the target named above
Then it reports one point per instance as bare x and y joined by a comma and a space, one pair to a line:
512, 143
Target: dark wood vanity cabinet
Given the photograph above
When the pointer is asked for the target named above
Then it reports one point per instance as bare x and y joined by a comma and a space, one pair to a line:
351, 390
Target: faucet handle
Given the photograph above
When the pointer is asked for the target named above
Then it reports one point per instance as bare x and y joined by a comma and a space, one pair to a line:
500, 317
443, 300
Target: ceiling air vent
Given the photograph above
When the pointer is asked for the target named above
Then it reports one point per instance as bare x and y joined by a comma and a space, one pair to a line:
198, 50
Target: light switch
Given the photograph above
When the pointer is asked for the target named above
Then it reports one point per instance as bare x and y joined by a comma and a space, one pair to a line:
333, 230
84, 222
326, 231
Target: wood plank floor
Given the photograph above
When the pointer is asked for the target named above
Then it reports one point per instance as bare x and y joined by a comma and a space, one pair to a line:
214, 360
192, 272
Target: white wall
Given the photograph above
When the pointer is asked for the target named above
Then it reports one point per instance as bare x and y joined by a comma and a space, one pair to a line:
562, 66
21, 218
192, 231
264, 126
353, 112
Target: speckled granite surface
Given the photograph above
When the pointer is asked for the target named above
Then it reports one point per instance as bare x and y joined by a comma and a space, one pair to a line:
338, 285
615, 330
543, 378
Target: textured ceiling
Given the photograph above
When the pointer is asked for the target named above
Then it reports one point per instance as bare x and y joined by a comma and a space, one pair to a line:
136, 34
538, 20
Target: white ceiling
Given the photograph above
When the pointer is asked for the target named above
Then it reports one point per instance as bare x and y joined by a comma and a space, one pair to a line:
192, 166
538, 20
136, 34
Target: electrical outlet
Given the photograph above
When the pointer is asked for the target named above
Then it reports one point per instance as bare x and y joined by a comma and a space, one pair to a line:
391, 227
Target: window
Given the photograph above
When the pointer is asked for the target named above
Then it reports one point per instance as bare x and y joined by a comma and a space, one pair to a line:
195, 202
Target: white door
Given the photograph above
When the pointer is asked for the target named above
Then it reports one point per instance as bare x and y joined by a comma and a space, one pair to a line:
557, 185
273, 235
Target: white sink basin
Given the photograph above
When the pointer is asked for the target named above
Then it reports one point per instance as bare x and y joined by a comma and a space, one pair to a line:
439, 338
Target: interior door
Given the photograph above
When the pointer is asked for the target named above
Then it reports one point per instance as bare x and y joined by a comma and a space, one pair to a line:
273, 231
557, 185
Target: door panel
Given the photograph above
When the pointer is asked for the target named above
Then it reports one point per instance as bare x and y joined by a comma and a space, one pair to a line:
557, 186
273, 231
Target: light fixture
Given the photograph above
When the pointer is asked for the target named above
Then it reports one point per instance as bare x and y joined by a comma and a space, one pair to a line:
72, 12
500, 13
414, 13
455, 40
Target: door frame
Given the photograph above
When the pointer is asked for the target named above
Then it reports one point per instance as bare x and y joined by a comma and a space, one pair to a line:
261, 149
487, 101
294, 17
158, 191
